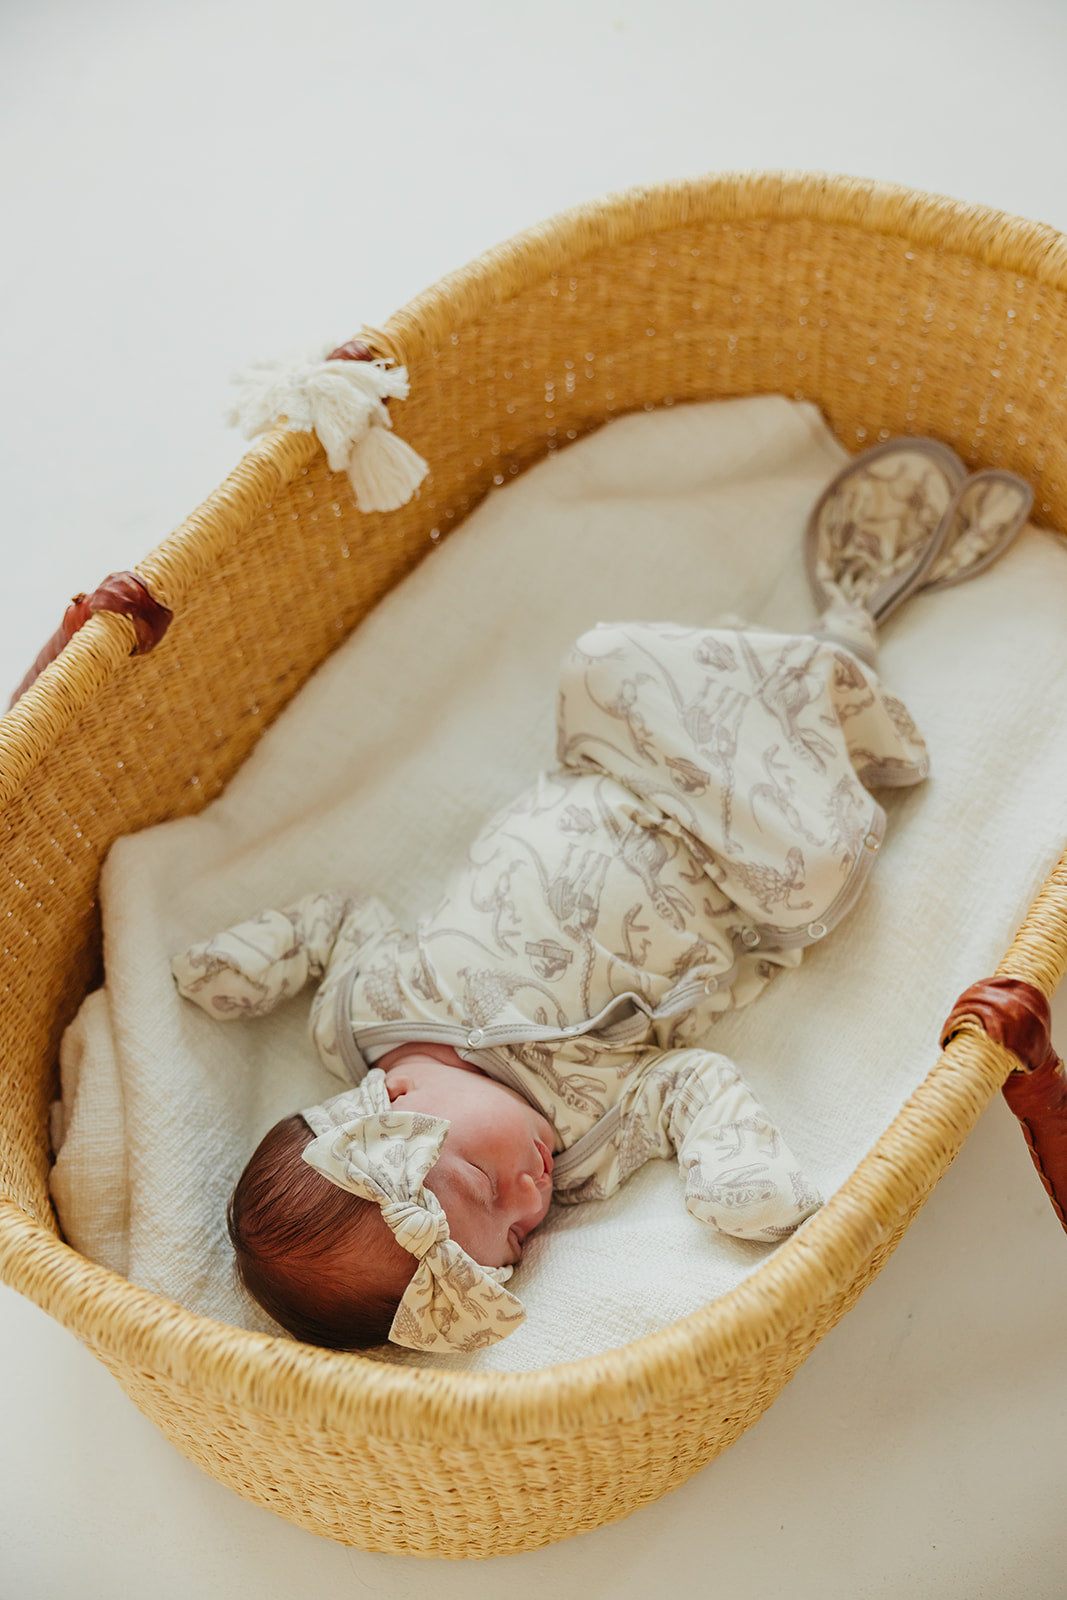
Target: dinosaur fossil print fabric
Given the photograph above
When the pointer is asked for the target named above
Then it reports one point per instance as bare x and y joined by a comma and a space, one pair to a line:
709, 816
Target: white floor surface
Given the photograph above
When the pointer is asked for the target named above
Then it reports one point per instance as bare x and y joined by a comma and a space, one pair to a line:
185, 185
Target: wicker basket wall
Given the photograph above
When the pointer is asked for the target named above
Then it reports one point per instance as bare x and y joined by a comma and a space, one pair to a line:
895, 313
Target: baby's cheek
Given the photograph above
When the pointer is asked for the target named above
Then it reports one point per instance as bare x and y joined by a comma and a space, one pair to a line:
484, 1239
482, 1236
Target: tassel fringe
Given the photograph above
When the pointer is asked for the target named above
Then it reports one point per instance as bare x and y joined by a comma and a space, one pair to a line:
343, 402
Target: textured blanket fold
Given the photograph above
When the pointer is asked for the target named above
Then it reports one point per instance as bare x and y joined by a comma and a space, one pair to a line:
687, 513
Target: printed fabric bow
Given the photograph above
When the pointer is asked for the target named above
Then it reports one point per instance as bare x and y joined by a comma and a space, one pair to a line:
362, 1145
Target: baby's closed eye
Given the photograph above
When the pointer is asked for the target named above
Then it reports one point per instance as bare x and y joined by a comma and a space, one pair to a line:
486, 1191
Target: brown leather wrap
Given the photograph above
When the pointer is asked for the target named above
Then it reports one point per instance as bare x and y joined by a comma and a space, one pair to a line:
120, 591
125, 593
352, 350
1017, 1015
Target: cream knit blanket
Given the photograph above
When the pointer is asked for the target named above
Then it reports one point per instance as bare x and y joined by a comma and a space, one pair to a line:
439, 708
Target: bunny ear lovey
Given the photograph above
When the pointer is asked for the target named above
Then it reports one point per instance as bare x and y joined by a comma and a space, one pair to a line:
342, 397
901, 518
986, 514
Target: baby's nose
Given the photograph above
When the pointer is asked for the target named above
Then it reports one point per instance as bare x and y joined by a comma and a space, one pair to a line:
529, 1199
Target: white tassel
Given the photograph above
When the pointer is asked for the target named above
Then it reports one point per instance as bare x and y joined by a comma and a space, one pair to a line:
384, 471
343, 402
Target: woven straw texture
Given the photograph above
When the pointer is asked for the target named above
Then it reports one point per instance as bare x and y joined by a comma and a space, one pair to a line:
895, 313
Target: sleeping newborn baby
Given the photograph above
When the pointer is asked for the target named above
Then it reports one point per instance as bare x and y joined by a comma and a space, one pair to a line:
541, 1031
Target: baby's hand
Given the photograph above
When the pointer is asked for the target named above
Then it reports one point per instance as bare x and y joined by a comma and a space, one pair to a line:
745, 1181
245, 971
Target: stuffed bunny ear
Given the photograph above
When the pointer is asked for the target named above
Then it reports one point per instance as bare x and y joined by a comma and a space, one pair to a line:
984, 518
878, 527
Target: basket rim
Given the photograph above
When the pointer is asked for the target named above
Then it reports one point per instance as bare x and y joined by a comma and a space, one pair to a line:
284, 1378
119, 1320
173, 568
997, 239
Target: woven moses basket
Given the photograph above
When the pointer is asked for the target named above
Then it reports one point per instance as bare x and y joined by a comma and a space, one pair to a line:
895, 313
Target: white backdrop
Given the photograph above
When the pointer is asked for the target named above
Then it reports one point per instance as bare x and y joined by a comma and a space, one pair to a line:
184, 185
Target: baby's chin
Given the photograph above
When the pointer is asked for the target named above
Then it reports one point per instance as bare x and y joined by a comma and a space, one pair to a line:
442, 1053
543, 1132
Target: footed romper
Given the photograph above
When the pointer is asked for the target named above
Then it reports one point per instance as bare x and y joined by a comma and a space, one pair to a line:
708, 818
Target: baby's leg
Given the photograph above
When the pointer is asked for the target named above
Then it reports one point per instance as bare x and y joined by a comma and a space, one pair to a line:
759, 746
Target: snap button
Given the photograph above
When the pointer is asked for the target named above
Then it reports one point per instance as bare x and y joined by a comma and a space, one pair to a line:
749, 937
475, 1037
816, 930
711, 986
871, 841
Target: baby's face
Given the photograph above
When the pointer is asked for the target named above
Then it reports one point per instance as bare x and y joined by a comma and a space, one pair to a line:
494, 1174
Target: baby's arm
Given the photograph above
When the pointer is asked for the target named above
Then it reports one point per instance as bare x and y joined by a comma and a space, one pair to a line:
249, 969
740, 1174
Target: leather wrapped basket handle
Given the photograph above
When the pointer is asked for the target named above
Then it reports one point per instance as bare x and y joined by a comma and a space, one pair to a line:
1016, 1014
120, 591
125, 593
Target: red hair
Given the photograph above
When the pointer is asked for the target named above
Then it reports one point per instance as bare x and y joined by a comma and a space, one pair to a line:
319, 1260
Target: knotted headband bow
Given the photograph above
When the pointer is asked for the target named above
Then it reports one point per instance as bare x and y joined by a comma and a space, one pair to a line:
363, 1145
